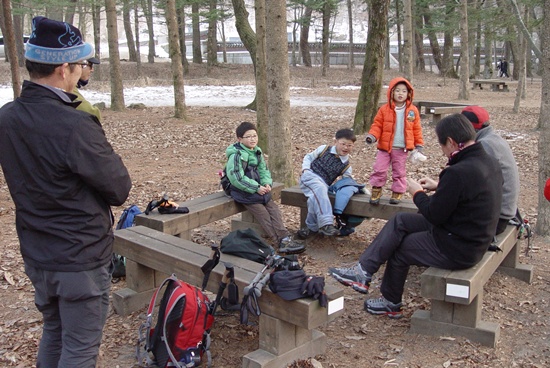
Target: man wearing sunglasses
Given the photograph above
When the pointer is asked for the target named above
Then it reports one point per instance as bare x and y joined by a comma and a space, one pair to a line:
85, 105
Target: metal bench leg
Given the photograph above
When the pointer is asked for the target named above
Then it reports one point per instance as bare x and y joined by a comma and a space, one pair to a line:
282, 343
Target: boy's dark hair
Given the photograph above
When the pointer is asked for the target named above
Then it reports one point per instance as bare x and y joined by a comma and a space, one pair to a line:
346, 134
244, 127
457, 127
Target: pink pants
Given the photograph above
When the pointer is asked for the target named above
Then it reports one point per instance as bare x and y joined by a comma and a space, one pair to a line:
398, 160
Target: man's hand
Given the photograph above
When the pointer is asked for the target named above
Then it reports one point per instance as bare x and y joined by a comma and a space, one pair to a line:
413, 186
428, 184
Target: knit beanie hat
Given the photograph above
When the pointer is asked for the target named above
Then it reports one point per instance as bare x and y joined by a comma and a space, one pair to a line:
54, 42
478, 116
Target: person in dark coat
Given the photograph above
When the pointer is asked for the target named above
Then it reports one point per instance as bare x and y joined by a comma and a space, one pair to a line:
454, 226
63, 176
504, 69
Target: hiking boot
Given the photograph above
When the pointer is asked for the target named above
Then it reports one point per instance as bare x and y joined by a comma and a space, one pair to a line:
354, 276
305, 233
376, 195
383, 306
396, 198
288, 246
329, 230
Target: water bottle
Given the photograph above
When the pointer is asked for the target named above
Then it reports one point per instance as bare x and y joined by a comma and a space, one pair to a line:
189, 359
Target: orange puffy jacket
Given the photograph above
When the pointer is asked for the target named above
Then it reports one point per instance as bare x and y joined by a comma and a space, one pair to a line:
383, 126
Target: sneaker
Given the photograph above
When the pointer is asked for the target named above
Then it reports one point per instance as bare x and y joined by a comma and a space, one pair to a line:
329, 230
376, 195
396, 198
383, 306
288, 246
305, 233
355, 277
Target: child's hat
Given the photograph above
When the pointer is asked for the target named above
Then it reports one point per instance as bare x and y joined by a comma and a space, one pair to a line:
478, 116
54, 42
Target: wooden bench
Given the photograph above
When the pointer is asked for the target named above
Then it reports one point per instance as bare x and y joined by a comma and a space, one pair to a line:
457, 296
497, 85
202, 211
438, 109
287, 329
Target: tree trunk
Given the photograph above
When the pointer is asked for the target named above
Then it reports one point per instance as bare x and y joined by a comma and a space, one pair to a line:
432, 37
304, 35
448, 45
175, 59
183, 47
212, 44
543, 220
521, 63
246, 33
278, 93
69, 13
18, 31
262, 117
351, 61
420, 63
128, 30
325, 60
138, 46
148, 11
197, 52
371, 79
117, 89
96, 24
463, 89
11, 49
399, 35
408, 38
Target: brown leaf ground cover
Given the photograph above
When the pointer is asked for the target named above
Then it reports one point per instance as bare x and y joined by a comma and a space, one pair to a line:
181, 158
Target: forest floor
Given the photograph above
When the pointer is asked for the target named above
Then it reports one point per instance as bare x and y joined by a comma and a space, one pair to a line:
182, 158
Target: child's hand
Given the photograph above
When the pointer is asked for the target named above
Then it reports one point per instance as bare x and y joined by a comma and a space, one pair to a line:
370, 138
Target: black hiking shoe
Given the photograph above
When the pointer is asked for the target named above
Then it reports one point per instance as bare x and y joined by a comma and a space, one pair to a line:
305, 233
383, 306
288, 246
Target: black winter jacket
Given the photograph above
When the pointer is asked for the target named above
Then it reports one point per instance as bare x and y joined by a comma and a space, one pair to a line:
63, 176
466, 205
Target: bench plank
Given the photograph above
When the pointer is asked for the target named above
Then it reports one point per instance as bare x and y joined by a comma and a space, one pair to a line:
202, 211
497, 85
358, 205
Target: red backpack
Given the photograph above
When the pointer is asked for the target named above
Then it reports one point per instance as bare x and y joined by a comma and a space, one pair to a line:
181, 335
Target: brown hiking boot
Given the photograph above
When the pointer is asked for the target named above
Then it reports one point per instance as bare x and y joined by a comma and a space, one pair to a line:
396, 198
376, 195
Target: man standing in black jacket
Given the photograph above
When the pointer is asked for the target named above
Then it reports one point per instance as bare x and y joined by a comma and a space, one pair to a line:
63, 176
454, 226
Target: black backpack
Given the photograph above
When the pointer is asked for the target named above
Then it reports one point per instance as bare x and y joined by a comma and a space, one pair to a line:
246, 244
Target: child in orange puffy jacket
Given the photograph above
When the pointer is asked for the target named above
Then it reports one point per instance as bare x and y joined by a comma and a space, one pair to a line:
396, 128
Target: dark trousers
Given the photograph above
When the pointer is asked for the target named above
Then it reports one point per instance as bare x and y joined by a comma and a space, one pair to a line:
74, 306
269, 217
405, 240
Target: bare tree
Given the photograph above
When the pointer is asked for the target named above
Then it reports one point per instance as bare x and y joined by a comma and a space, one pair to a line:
183, 47
522, 74
128, 30
175, 58
278, 93
9, 42
138, 46
463, 90
70, 10
351, 61
262, 117
212, 44
195, 20
543, 219
304, 35
371, 80
117, 89
408, 38
147, 6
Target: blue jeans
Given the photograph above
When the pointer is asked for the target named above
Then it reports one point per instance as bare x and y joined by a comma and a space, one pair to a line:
74, 306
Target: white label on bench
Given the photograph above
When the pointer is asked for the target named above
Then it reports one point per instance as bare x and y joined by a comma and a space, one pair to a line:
335, 305
459, 291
